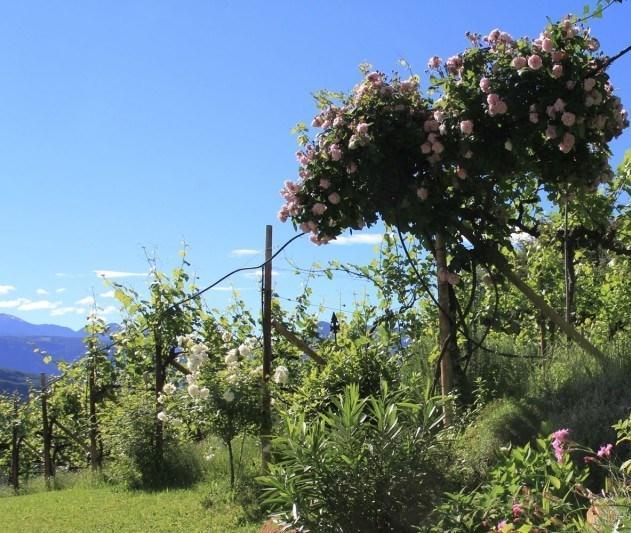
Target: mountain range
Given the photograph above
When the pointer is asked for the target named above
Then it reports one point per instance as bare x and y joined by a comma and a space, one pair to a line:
18, 340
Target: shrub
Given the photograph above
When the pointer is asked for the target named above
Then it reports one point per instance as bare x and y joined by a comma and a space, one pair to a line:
369, 464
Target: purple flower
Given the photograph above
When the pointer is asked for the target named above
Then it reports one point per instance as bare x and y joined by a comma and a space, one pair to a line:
605, 451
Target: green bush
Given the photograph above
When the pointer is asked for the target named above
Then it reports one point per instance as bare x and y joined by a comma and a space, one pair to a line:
369, 464
128, 436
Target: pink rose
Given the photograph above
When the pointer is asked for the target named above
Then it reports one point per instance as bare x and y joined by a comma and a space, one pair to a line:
533, 117
422, 193
557, 71
535, 62
338, 121
494, 35
426, 148
374, 77
466, 127
439, 115
461, 173
558, 56
326, 124
568, 119
551, 132
336, 153
283, 214
351, 167
434, 62
430, 125
438, 147
589, 84
605, 451
362, 128
325, 183
316, 122
559, 105
318, 209
492, 99
501, 107
550, 111
570, 84
335, 198
519, 62
485, 85
547, 45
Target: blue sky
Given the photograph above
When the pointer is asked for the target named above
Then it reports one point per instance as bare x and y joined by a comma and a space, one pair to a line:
130, 126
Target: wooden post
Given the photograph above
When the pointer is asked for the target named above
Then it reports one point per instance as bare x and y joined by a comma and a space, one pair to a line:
15, 447
46, 431
95, 459
444, 325
266, 403
502, 265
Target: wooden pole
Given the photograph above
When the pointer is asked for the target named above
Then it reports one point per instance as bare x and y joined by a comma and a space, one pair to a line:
444, 325
266, 403
46, 431
296, 341
15, 447
502, 265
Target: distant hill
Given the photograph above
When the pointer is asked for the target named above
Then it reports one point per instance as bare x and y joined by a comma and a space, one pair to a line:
19, 339
13, 326
12, 381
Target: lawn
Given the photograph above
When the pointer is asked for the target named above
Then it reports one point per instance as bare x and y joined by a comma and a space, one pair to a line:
75, 510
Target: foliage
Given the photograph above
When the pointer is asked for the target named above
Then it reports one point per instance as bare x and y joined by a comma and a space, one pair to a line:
527, 489
368, 464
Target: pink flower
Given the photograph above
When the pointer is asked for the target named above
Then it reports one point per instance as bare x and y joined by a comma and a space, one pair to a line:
326, 124
422, 193
466, 127
589, 84
559, 105
557, 71
335, 198
426, 148
485, 85
362, 128
519, 62
501, 107
593, 44
494, 35
605, 451
547, 45
461, 172
517, 510
316, 122
562, 435
338, 121
535, 62
283, 214
570, 84
325, 183
374, 77
438, 147
558, 55
318, 209
434, 62
492, 99
453, 63
351, 167
430, 125
439, 115
336, 153
567, 143
551, 132
500, 526
533, 117
568, 119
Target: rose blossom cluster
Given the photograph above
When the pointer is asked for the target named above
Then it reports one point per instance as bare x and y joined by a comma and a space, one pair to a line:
541, 107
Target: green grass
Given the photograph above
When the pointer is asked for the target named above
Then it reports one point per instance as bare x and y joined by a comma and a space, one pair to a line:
207, 507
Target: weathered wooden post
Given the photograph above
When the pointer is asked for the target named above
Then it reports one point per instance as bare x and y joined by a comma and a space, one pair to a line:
266, 407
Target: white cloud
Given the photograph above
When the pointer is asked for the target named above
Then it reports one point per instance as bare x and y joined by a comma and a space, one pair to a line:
6, 289
59, 311
88, 300
242, 252
59, 291
256, 274
42, 292
38, 305
118, 274
109, 310
358, 238
10, 304
108, 294
24, 304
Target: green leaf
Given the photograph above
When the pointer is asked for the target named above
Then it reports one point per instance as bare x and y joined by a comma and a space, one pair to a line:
556, 482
